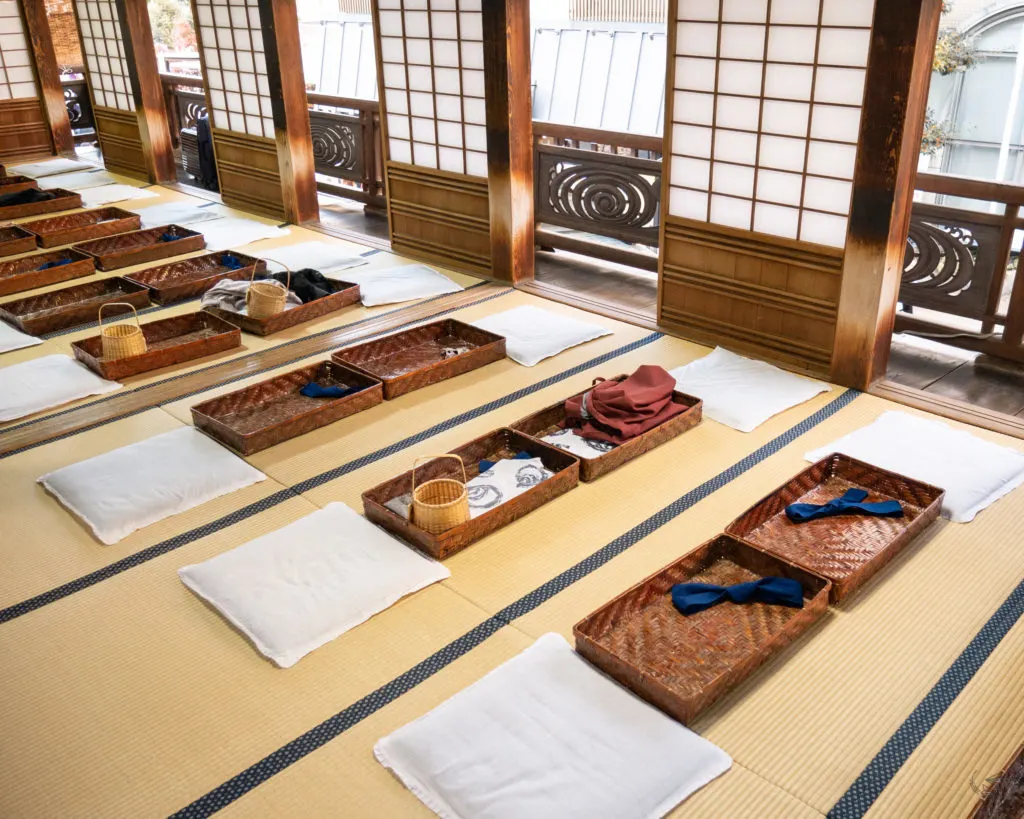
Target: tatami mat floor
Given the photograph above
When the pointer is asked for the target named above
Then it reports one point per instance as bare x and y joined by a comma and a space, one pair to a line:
124, 695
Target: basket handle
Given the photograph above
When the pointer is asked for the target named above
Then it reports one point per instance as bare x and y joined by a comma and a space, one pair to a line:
288, 278
416, 463
99, 315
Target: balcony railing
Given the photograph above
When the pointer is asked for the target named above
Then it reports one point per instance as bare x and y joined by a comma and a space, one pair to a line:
347, 148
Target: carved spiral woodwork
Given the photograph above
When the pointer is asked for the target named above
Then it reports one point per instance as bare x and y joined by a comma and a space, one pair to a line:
337, 145
599, 193
191, 106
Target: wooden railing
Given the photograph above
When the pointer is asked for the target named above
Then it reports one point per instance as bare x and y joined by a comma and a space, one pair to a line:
957, 263
347, 147
184, 100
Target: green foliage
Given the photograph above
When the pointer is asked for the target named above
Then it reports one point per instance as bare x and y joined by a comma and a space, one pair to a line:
164, 16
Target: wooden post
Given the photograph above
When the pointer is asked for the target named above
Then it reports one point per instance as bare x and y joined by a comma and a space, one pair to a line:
902, 46
50, 89
154, 129
506, 35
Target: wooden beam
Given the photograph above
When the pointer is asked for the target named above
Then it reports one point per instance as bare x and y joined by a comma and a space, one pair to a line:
506, 35
48, 74
899, 69
280, 24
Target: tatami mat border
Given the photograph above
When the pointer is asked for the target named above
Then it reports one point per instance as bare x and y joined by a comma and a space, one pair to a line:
862, 794
158, 549
249, 779
248, 374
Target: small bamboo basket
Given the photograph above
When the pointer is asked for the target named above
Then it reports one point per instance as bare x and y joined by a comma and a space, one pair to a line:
121, 340
440, 504
264, 299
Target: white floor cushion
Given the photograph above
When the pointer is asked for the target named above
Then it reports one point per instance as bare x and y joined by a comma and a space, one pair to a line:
77, 181
322, 256
234, 232
48, 167
13, 339
300, 587
175, 213
532, 334
125, 489
974, 472
740, 392
46, 382
108, 194
390, 285
546, 736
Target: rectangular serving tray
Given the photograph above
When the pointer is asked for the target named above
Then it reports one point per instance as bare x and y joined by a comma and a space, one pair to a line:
273, 411
70, 306
62, 200
18, 275
497, 445
169, 341
345, 293
413, 359
551, 419
79, 227
15, 240
847, 549
189, 278
141, 246
16, 184
682, 664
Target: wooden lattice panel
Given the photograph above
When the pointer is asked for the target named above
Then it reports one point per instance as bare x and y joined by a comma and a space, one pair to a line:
17, 79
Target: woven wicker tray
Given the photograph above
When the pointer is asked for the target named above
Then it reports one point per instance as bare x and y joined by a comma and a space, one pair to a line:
63, 200
193, 277
15, 240
16, 184
344, 294
169, 341
114, 252
70, 306
19, 275
497, 445
79, 227
551, 419
412, 359
274, 411
848, 549
683, 664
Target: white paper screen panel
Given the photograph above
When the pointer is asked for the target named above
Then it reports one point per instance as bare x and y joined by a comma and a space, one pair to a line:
103, 48
17, 79
766, 111
236, 66
432, 54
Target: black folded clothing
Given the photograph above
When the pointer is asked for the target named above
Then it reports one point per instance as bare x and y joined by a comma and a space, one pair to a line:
26, 197
307, 284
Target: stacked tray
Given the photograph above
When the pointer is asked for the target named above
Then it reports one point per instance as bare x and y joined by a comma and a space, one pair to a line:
424, 355
552, 419
273, 411
18, 275
125, 249
79, 227
62, 200
683, 664
846, 549
15, 240
498, 445
193, 277
168, 341
14, 184
70, 306
345, 293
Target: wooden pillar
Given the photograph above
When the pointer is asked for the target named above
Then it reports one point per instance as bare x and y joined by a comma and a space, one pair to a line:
259, 117
506, 32
51, 91
124, 82
903, 42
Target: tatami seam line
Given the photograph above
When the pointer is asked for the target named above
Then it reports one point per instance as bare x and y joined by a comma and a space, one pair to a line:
253, 776
169, 545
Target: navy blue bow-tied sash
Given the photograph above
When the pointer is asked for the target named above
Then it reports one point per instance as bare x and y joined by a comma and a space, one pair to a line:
851, 503
314, 390
691, 598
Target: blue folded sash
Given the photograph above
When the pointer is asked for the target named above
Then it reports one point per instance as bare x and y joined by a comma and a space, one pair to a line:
231, 261
849, 504
314, 390
170, 237
57, 263
691, 598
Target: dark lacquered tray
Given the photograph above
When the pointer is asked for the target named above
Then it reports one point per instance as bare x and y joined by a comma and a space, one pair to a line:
193, 277
15, 240
141, 246
70, 306
62, 200
19, 275
79, 227
344, 294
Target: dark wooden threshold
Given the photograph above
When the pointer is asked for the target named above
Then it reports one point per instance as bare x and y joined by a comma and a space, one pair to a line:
950, 408
173, 389
349, 235
592, 305
596, 250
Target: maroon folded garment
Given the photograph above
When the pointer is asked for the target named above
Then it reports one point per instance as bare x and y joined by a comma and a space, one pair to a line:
616, 411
